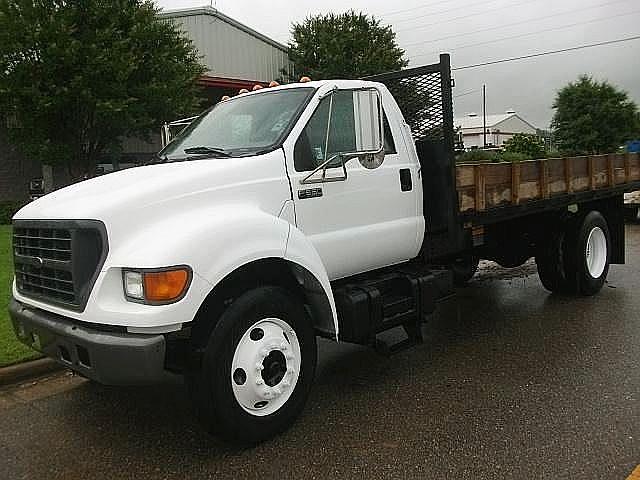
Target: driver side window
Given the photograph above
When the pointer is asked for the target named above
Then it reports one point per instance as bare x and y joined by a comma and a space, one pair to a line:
309, 151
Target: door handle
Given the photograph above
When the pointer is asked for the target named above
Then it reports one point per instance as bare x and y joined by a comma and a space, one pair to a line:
405, 180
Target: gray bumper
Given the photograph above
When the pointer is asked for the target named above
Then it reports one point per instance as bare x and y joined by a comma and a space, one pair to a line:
106, 357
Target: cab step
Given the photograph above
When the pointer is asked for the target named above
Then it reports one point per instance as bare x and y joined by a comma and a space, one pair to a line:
374, 304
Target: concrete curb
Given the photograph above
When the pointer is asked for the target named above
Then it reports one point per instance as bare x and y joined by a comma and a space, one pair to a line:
26, 370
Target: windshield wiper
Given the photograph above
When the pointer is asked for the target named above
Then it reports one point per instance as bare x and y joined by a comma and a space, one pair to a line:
157, 159
200, 150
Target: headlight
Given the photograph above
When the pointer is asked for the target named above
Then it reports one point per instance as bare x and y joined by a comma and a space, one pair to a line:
156, 286
133, 285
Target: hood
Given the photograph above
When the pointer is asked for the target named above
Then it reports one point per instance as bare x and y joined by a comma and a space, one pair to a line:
147, 191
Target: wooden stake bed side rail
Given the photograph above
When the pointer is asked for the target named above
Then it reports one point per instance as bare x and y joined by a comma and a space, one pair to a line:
483, 187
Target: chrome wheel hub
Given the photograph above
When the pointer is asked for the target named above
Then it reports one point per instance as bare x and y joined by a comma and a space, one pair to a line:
265, 366
596, 252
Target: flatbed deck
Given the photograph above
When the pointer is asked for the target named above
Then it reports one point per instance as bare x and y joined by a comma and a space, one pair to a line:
490, 192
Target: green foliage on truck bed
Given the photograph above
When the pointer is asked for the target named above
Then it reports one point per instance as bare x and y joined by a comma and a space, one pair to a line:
11, 351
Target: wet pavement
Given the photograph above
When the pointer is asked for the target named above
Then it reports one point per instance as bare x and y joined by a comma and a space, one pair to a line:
511, 383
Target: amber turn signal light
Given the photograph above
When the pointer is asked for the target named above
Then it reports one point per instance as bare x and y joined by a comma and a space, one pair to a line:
165, 286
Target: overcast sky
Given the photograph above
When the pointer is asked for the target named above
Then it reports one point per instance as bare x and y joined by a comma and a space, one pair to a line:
475, 31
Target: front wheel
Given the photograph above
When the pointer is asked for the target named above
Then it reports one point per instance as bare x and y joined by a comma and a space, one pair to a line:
257, 368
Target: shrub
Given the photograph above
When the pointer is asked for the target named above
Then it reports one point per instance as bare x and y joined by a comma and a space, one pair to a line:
531, 146
8, 210
512, 157
476, 155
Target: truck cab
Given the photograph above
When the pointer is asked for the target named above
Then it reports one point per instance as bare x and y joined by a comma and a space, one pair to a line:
123, 277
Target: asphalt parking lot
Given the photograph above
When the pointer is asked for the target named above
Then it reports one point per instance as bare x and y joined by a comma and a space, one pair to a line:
511, 383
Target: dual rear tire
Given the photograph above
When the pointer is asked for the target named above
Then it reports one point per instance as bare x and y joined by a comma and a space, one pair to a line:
576, 255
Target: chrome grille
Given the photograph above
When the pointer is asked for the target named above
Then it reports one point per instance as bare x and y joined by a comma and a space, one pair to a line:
57, 261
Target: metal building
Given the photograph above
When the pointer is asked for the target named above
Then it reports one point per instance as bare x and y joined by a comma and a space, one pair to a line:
233, 52
500, 128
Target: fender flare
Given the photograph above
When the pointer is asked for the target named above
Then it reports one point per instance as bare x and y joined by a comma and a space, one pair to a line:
306, 267
301, 252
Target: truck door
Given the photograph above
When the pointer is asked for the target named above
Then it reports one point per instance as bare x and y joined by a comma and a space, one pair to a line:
361, 212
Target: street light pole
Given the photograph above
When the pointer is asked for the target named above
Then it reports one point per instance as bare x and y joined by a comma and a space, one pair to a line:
484, 115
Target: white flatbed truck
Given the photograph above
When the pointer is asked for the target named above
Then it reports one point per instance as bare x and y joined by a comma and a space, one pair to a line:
331, 208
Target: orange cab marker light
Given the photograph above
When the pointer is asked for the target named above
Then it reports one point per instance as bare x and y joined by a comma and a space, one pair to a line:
165, 286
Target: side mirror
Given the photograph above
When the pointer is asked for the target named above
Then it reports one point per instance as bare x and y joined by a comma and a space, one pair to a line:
368, 132
368, 121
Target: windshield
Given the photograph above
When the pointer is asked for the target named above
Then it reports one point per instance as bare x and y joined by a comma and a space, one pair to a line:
243, 125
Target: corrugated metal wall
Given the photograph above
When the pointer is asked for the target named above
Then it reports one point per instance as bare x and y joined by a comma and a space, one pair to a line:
229, 50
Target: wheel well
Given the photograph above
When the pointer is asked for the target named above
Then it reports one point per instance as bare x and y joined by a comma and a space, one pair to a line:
268, 271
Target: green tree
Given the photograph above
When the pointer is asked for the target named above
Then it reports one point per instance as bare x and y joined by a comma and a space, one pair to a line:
77, 76
531, 146
593, 117
348, 45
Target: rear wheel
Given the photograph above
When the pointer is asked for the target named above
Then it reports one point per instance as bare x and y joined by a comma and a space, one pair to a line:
551, 262
257, 368
590, 256
464, 269
513, 258
575, 258
631, 213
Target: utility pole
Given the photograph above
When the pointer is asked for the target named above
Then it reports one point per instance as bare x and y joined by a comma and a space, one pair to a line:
484, 115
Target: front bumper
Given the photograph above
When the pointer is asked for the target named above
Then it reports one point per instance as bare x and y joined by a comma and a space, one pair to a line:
107, 357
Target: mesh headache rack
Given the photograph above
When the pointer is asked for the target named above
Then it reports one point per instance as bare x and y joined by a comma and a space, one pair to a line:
424, 97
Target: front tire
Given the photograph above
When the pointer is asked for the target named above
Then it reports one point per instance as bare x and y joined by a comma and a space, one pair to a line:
257, 368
